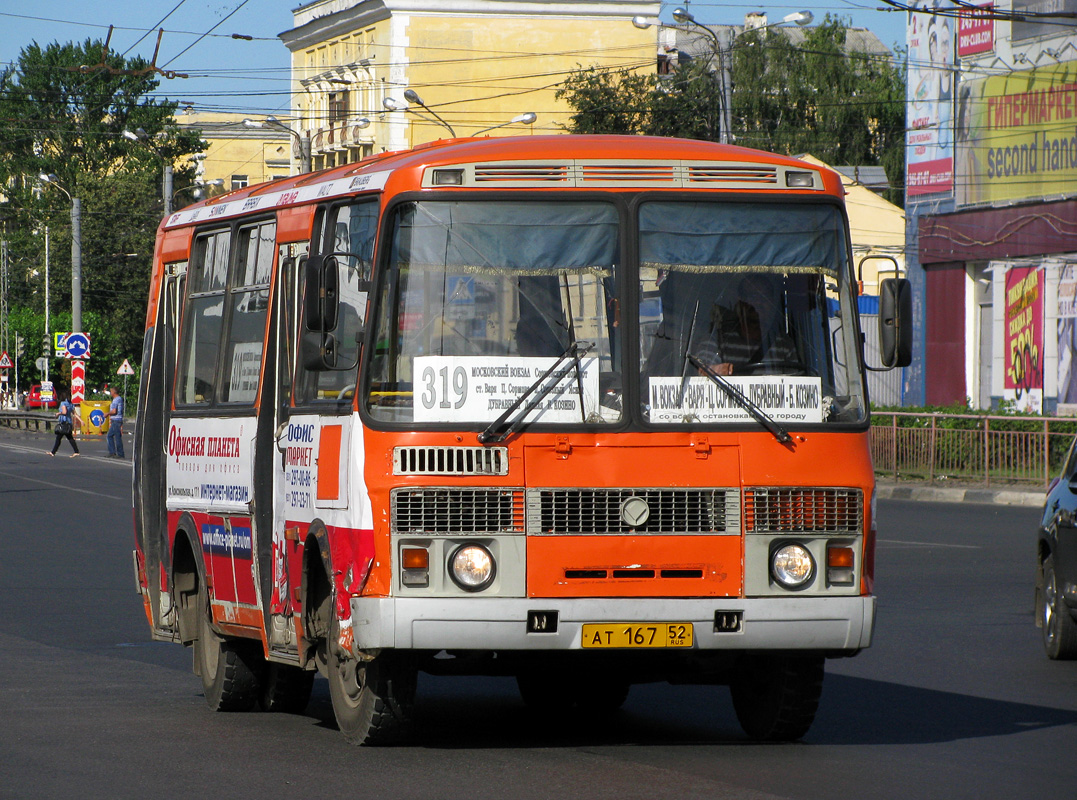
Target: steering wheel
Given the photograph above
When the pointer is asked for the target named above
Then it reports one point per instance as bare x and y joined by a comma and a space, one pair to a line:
771, 368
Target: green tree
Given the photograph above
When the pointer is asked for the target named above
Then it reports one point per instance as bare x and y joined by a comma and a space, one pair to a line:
63, 112
816, 97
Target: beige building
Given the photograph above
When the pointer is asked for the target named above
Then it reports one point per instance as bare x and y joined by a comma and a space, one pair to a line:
238, 154
474, 65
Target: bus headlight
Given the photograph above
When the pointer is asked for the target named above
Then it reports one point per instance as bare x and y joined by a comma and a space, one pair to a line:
792, 566
472, 568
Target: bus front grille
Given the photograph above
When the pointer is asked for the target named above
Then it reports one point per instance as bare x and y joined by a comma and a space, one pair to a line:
450, 461
810, 510
621, 511
437, 510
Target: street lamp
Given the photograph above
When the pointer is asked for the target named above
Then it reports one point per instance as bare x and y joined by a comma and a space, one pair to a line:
140, 136
723, 50
527, 118
76, 252
303, 142
412, 96
197, 188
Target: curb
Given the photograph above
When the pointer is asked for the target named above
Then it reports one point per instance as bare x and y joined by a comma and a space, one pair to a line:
932, 494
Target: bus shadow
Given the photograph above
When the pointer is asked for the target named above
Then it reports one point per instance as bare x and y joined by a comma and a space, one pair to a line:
456, 713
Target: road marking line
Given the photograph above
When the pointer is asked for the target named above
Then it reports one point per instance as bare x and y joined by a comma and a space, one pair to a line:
932, 544
60, 486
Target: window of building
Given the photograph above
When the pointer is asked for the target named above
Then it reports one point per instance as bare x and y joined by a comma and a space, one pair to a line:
239, 181
338, 107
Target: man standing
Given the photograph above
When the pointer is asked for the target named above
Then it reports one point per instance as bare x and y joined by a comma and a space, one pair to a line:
115, 425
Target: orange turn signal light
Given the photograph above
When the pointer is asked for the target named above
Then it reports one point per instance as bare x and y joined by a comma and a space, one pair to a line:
839, 557
415, 558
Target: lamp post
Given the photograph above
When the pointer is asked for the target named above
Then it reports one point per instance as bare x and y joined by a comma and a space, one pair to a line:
723, 51
76, 252
412, 97
140, 136
527, 118
303, 142
197, 188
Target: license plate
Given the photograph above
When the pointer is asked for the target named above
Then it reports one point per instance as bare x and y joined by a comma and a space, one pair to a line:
631, 634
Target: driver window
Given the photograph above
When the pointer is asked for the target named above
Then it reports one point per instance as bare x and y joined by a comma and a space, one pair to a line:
347, 233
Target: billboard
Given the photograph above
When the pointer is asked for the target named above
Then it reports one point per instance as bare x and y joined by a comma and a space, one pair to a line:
975, 32
1017, 136
930, 98
1023, 337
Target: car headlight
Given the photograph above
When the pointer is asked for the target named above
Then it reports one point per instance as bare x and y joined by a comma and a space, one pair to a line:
472, 567
792, 565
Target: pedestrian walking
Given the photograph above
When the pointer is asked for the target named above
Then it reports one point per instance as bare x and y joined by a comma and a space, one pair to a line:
115, 425
66, 419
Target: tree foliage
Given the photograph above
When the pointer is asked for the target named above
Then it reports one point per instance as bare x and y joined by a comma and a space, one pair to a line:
813, 97
63, 112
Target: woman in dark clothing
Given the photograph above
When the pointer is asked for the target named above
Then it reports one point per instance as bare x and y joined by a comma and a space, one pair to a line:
65, 425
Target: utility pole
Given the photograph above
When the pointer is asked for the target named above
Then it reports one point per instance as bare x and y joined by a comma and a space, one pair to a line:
3, 292
76, 265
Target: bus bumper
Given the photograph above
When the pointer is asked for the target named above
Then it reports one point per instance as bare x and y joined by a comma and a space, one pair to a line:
817, 624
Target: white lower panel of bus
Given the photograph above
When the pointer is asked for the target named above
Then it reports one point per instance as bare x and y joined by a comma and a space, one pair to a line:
794, 623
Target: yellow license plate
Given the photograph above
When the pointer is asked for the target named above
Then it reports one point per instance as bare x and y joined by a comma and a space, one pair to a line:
632, 634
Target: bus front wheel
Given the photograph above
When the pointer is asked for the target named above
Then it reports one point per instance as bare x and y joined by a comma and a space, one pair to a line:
372, 700
776, 697
230, 669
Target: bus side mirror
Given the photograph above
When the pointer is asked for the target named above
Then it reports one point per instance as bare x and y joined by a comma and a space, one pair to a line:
895, 322
318, 351
321, 297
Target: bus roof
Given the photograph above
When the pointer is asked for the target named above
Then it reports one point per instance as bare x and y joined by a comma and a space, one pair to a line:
558, 161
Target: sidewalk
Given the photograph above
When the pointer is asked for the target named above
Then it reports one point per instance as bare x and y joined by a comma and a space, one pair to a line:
889, 490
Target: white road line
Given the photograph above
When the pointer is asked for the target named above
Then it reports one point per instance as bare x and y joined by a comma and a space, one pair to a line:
932, 544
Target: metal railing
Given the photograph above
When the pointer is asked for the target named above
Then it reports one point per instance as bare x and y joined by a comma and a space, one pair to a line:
28, 420
990, 450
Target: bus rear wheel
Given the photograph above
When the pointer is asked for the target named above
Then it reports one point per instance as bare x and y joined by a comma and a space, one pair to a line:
776, 697
230, 669
372, 700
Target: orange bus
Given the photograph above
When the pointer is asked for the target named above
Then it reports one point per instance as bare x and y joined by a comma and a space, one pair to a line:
588, 411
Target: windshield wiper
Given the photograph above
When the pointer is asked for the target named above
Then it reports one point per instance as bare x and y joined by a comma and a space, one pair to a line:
742, 400
493, 433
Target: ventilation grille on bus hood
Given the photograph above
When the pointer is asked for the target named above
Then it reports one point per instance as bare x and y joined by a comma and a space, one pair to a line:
642, 174
440, 510
785, 510
451, 461
604, 511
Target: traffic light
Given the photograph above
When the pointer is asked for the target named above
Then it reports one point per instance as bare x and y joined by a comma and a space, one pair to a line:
20, 345
46, 345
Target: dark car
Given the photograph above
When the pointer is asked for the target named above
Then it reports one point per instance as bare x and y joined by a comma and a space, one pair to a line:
33, 399
1056, 572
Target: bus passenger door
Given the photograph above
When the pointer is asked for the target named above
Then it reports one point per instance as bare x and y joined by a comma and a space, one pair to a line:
150, 446
285, 463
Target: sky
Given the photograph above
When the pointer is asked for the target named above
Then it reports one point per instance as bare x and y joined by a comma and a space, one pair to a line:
251, 77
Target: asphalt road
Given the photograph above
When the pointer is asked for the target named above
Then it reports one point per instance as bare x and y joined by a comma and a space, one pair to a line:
954, 700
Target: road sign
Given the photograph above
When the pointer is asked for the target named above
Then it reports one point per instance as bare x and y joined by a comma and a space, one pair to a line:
78, 381
78, 345
5, 361
41, 364
125, 368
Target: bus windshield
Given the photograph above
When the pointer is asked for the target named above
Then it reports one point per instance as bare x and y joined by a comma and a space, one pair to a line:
509, 312
481, 299
753, 296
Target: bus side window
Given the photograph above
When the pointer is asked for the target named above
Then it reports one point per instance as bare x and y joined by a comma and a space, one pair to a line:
203, 319
249, 303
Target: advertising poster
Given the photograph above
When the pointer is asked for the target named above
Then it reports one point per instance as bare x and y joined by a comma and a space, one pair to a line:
1067, 334
1023, 384
975, 31
1017, 135
930, 87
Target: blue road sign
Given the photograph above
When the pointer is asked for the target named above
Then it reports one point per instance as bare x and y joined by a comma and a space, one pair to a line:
78, 345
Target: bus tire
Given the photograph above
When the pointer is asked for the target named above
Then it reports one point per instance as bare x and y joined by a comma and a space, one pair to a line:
776, 697
230, 669
1059, 629
285, 689
372, 700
